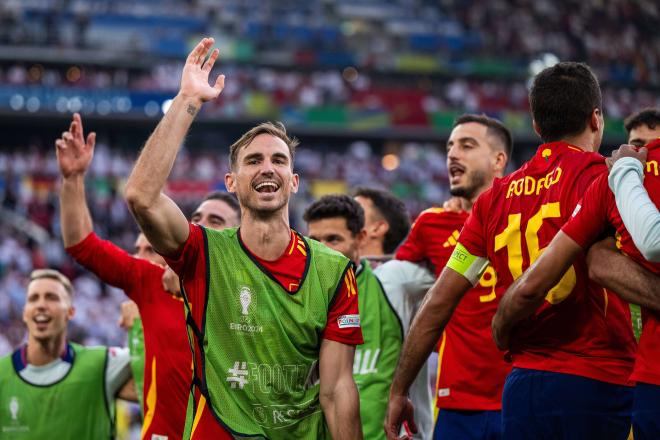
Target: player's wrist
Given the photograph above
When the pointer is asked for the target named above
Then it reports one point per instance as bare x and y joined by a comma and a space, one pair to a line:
75, 177
398, 391
191, 103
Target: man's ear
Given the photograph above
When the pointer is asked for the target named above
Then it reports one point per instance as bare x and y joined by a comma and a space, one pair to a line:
230, 182
361, 237
380, 228
71, 312
499, 161
295, 182
596, 120
536, 128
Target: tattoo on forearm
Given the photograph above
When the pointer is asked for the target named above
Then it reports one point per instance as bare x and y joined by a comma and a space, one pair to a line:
192, 110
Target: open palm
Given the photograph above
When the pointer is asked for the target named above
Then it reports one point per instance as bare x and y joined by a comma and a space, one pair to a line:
74, 153
195, 76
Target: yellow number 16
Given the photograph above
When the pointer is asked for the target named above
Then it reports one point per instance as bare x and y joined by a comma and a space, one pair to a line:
511, 239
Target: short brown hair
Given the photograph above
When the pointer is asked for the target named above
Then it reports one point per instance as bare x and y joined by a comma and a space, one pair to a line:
648, 116
494, 128
562, 99
276, 129
53, 274
228, 198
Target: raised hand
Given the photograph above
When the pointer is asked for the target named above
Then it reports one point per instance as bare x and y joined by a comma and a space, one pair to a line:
195, 76
627, 151
453, 204
74, 153
129, 312
171, 283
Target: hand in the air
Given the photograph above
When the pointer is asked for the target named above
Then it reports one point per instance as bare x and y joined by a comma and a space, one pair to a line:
74, 153
195, 76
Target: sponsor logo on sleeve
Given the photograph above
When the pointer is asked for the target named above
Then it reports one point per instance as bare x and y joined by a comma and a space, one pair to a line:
348, 321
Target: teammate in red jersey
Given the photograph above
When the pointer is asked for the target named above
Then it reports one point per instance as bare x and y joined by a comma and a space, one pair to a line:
639, 214
265, 254
577, 347
168, 373
471, 370
596, 212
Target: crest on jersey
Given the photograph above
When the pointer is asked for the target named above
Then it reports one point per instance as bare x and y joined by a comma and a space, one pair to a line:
245, 298
14, 408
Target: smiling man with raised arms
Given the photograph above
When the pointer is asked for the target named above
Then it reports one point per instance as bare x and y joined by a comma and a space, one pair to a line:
273, 317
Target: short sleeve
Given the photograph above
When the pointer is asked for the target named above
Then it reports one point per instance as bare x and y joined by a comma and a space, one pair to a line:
589, 218
184, 261
473, 234
190, 266
343, 323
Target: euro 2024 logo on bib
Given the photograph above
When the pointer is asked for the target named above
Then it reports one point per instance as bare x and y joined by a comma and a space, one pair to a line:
15, 425
245, 298
245, 307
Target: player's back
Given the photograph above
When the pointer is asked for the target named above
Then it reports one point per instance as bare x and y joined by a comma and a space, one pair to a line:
580, 329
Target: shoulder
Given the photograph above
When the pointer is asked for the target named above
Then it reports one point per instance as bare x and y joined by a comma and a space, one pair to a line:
439, 217
5, 362
97, 351
430, 214
222, 234
322, 251
399, 271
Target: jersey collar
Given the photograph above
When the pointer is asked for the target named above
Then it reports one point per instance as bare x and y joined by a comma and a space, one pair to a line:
294, 236
19, 357
546, 151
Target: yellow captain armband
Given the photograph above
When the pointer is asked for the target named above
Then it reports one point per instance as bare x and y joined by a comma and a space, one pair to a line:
466, 264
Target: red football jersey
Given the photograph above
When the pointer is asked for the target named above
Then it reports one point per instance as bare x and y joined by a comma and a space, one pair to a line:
597, 211
168, 361
581, 328
471, 370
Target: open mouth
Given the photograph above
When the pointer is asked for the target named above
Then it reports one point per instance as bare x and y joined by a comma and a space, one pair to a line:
41, 320
456, 171
267, 186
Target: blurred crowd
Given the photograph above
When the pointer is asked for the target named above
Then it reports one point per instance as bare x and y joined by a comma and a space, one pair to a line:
30, 231
253, 92
617, 37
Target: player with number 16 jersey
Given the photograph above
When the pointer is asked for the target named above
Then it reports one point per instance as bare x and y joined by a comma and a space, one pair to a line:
581, 328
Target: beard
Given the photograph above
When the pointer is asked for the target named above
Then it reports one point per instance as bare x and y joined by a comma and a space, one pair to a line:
262, 212
476, 180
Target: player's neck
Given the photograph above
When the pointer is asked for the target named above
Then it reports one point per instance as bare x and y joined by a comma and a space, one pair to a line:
372, 248
466, 204
266, 237
42, 352
584, 141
